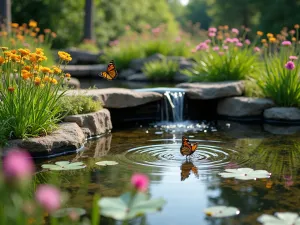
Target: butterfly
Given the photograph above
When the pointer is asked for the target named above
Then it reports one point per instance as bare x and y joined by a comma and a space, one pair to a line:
187, 148
111, 72
186, 169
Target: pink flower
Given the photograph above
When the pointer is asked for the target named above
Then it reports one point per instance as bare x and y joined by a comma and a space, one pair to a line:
286, 43
290, 65
216, 48
235, 40
18, 164
156, 30
235, 31
293, 57
228, 40
257, 49
225, 47
207, 41
221, 53
292, 32
212, 30
239, 44
202, 46
247, 42
48, 197
211, 34
140, 182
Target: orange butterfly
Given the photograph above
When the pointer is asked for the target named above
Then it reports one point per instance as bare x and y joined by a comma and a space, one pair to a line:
111, 72
187, 148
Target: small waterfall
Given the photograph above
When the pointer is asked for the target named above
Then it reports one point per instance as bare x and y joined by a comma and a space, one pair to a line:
173, 104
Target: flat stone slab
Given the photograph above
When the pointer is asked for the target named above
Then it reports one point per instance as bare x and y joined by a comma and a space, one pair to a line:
213, 90
243, 106
92, 124
69, 136
282, 113
118, 97
85, 70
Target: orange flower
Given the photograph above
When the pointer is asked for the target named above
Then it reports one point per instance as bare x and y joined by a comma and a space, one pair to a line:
37, 29
45, 69
296, 26
37, 81
56, 69
11, 89
53, 34
259, 33
294, 39
14, 25
15, 58
263, 41
68, 75
226, 27
270, 35
2, 60
47, 31
33, 57
272, 40
25, 74
46, 79
32, 23
24, 51
4, 48
64, 56
53, 81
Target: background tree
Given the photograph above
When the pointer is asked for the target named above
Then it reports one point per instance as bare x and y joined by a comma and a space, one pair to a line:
5, 13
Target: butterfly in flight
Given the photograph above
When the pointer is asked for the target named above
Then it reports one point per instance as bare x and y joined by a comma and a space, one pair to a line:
111, 72
187, 148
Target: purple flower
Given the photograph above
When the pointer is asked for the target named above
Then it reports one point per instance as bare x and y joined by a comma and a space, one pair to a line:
212, 29
216, 48
239, 44
140, 182
247, 42
257, 49
48, 197
286, 43
18, 164
293, 57
235, 31
290, 65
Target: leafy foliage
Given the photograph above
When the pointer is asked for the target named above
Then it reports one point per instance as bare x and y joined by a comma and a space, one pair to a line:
161, 70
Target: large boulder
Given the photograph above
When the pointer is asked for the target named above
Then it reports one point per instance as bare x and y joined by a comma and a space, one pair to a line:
243, 106
118, 97
213, 90
68, 136
92, 124
282, 113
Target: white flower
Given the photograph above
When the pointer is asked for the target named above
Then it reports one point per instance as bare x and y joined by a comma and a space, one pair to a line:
245, 174
221, 211
285, 218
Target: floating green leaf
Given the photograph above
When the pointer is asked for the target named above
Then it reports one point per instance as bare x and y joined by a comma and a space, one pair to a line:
282, 218
221, 211
64, 165
66, 211
107, 163
245, 174
124, 208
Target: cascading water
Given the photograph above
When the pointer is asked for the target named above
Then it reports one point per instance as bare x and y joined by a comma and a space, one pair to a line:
172, 108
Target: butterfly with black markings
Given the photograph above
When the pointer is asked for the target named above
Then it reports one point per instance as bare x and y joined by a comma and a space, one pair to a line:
187, 148
111, 72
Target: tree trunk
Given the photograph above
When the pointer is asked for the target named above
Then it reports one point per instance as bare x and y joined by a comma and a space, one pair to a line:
5, 13
88, 20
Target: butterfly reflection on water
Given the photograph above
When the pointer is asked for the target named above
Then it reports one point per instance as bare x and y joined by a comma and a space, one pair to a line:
111, 72
186, 168
187, 148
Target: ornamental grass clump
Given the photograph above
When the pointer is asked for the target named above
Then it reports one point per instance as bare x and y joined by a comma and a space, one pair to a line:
30, 99
225, 55
280, 79
164, 70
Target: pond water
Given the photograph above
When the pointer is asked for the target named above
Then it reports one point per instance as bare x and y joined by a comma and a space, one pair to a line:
189, 186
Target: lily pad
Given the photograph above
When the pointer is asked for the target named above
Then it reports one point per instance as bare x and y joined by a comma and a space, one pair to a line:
245, 174
66, 211
282, 218
107, 163
64, 165
123, 208
222, 211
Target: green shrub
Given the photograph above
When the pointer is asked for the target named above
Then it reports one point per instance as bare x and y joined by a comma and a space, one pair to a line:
161, 70
89, 46
252, 89
79, 104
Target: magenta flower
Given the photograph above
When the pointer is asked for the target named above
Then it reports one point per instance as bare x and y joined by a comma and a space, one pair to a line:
212, 30
202, 46
221, 53
225, 47
293, 57
207, 41
228, 40
247, 42
216, 48
140, 182
286, 43
18, 164
257, 49
239, 44
290, 65
235, 31
211, 34
48, 197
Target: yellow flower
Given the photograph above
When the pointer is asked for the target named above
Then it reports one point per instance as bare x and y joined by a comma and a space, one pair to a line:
28, 68
33, 57
56, 69
263, 41
15, 58
294, 39
260, 33
272, 40
25, 74
46, 79
15, 25
45, 69
32, 23
32, 34
270, 35
37, 81
39, 51
53, 81
64, 56
24, 51
41, 58
7, 54
68, 75
3, 33
2, 60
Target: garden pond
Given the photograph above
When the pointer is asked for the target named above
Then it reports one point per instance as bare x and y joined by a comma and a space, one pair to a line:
189, 186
